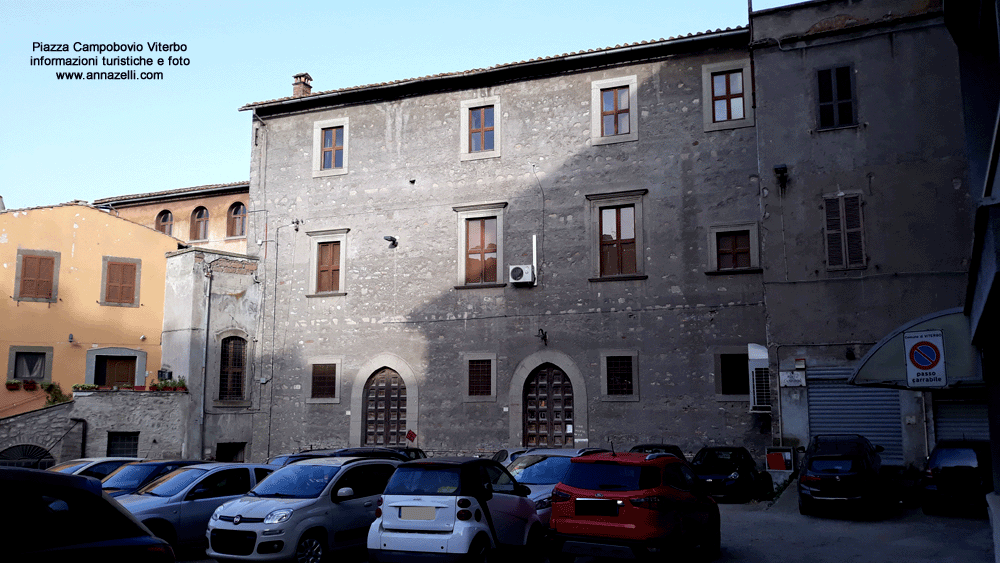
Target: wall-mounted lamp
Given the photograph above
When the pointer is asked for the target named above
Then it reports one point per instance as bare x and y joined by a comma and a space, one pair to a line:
545, 337
393, 243
143, 338
781, 173
71, 337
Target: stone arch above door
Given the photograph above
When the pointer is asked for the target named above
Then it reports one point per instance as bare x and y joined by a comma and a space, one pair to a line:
523, 370
369, 368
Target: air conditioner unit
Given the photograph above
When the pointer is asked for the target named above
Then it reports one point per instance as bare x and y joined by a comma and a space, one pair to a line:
521, 274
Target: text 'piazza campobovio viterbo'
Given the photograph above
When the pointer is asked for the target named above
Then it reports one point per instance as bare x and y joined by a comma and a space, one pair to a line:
154, 46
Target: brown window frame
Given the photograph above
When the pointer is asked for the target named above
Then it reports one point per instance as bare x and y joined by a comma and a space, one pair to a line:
232, 368
333, 149
236, 220
120, 282
199, 224
619, 244
35, 284
734, 251
845, 235
330, 268
482, 276
620, 372
835, 99
165, 222
324, 381
729, 96
480, 377
617, 112
481, 131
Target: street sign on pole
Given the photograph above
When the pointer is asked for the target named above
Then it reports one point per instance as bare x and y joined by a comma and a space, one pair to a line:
924, 351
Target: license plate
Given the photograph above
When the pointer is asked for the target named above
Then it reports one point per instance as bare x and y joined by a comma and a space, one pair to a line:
596, 507
416, 513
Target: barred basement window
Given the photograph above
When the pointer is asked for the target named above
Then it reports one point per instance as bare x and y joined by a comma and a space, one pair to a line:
480, 372
619, 375
123, 444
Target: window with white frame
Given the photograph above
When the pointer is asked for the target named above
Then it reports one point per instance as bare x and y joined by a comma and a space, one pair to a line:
331, 141
325, 374
327, 253
614, 111
619, 375
481, 127
480, 244
727, 99
617, 226
733, 248
480, 377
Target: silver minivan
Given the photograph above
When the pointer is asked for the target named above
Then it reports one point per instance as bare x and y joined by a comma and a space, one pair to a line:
302, 512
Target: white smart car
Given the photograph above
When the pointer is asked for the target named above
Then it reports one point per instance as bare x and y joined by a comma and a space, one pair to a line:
452, 509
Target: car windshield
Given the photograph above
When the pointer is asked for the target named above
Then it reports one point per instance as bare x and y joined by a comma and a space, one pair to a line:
172, 483
297, 481
605, 476
954, 457
424, 480
69, 466
834, 464
712, 457
539, 469
128, 476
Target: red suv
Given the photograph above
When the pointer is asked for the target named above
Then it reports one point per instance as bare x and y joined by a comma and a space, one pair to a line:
632, 506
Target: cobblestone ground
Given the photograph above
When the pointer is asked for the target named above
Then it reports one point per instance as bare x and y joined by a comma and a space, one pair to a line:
776, 532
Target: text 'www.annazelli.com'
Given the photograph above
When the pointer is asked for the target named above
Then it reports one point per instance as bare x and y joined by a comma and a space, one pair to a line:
119, 75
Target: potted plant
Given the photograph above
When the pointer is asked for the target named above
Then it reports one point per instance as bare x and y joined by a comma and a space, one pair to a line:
125, 387
30, 385
13, 384
181, 385
84, 387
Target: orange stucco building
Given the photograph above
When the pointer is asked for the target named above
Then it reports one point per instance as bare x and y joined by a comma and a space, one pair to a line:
84, 300
212, 216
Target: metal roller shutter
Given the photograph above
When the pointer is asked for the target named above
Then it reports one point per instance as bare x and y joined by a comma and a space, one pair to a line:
838, 408
961, 421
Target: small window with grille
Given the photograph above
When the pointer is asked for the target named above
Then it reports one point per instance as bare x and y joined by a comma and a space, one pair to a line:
123, 444
324, 381
480, 377
619, 375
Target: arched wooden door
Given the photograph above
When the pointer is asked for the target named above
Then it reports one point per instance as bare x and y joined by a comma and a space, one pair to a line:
548, 408
385, 409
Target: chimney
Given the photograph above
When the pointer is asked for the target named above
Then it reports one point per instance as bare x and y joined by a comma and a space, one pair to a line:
301, 86
1, 203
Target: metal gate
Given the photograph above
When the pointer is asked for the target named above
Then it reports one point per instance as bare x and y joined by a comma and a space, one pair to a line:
961, 421
838, 408
548, 408
385, 409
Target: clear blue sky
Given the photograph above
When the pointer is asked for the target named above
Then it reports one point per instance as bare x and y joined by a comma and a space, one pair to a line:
62, 140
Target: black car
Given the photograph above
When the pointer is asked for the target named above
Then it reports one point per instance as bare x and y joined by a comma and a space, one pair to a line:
840, 470
133, 476
71, 519
959, 475
730, 473
658, 449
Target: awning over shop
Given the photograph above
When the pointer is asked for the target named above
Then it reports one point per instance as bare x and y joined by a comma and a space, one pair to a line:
932, 352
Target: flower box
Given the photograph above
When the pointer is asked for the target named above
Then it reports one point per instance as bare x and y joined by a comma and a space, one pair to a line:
30, 385
13, 385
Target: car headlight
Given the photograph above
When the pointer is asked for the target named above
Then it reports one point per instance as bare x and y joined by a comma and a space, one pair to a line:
734, 475
278, 516
543, 503
217, 513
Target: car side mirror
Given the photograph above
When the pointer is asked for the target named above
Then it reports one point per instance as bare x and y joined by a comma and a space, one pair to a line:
801, 449
197, 494
345, 493
879, 449
521, 490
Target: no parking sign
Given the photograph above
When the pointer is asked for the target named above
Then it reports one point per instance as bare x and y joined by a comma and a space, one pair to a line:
925, 358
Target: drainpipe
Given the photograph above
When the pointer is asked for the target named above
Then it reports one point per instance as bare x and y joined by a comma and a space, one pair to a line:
204, 361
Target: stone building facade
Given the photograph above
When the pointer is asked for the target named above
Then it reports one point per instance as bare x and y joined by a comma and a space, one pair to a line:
393, 216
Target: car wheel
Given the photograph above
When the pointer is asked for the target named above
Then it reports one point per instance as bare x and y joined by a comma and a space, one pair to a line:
534, 549
310, 549
805, 506
163, 530
479, 551
711, 544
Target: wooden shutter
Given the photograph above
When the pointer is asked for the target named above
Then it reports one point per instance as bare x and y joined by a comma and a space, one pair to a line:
845, 245
37, 273
121, 283
327, 267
